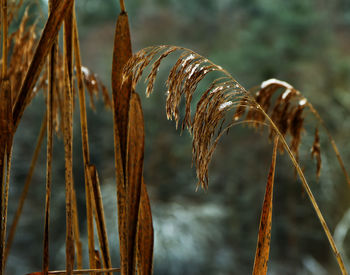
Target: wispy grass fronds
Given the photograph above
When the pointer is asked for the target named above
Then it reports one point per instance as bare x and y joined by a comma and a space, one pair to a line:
287, 112
223, 95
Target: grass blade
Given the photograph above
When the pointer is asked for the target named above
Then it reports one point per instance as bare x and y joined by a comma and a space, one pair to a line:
99, 216
264, 236
121, 97
121, 92
25, 188
47, 39
49, 146
135, 156
85, 142
145, 235
68, 148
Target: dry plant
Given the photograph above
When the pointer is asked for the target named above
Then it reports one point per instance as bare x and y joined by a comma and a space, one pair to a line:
225, 103
26, 72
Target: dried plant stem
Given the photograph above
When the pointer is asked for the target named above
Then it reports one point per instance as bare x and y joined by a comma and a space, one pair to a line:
85, 143
6, 136
4, 37
78, 244
264, 235
335, 148
68, 145
122, 6
46, 41
99, 216
25, 188
121, 97
309, 193
84, 271
49, 147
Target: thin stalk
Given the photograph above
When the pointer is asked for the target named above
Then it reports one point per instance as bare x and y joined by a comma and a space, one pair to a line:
99, 216
122, 6
83, 271
4, 37
47, 39
6, 156
78, 244
85, 142
28, 181
68, 142
309, 193
49, 147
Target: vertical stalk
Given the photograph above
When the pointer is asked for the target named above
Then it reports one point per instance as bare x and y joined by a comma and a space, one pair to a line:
49, 147
85, 143
4, 37
23, 197
68, 142
122, 6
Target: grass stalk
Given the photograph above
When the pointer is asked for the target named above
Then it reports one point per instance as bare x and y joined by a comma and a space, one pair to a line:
68, 145
49, 147
99, 216
46, 41
24, 193
85, 142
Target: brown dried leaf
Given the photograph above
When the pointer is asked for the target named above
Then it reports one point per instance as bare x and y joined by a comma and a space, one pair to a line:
264, 236
145, 235
121, 91
47, 39
134, 171
99, 216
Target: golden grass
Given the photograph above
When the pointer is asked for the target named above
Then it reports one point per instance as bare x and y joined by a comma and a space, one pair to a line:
27, 74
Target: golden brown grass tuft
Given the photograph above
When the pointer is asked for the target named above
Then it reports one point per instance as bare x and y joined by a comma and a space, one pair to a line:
223, 95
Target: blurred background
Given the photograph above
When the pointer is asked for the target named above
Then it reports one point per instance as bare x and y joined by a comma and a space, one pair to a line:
304, 42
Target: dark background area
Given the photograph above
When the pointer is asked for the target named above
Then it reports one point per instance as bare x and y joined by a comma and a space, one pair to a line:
304, 42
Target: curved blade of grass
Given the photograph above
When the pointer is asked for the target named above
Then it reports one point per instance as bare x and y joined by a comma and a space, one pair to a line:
145, 235
68, 149
222, 95
46, 41
49, 146
6, 133
264, 236
25, 188
121, 92
78, 244
85, 142
121, 97
134, 162
99, 216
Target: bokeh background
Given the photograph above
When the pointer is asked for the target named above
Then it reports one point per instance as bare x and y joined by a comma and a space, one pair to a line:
304, 42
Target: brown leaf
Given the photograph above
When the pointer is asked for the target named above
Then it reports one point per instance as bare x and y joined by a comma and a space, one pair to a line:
134, 168
264, 236
47, 39
99, 216
121, 92
121, 97
145, 236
